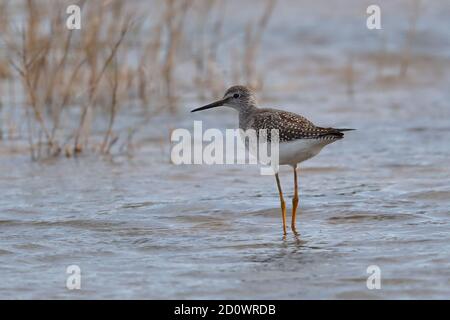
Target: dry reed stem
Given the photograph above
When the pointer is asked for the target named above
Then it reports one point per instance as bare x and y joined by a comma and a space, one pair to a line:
106, 145
95, 85
174, 18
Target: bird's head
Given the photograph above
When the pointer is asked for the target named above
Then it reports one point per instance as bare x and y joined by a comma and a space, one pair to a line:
236, 97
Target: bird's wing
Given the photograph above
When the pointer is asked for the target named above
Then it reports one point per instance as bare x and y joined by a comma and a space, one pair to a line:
292, 126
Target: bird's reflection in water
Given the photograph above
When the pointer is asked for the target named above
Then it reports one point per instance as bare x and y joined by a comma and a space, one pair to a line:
287, 249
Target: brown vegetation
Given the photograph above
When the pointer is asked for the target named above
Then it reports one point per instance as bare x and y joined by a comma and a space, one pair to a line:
61, 81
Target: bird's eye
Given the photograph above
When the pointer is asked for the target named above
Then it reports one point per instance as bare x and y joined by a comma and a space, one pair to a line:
236, 95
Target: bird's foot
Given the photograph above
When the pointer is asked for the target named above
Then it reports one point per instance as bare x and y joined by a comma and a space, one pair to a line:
294, 231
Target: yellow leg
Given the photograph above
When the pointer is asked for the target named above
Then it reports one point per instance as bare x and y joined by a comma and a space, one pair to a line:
294, 202
283, 204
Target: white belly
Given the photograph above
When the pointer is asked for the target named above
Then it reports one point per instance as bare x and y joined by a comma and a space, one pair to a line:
300, 150
291, 153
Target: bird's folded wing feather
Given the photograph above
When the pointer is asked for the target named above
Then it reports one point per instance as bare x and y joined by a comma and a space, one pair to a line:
292, 126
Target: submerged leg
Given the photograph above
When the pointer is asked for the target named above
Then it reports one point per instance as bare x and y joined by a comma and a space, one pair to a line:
294, 202
283, 204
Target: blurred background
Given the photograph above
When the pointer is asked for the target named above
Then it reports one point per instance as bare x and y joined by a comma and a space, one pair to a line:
85, 173
65, 92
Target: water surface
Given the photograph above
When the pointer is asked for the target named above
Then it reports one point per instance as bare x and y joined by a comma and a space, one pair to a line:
141, 227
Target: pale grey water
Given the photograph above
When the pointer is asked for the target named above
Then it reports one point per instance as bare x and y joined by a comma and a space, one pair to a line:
144, 228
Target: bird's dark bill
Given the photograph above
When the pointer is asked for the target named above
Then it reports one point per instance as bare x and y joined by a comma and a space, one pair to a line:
211, 105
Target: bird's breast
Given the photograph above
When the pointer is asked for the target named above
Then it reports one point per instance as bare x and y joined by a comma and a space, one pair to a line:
296, 151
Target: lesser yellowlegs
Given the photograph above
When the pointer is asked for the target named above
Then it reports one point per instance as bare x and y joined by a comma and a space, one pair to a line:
299, 138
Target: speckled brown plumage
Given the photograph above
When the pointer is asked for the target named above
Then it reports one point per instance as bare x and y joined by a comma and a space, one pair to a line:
291, 126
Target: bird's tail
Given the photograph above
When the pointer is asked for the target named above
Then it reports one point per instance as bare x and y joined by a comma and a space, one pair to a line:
334, 133
345, 129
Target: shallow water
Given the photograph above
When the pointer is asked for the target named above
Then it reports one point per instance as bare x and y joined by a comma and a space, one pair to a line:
143, 228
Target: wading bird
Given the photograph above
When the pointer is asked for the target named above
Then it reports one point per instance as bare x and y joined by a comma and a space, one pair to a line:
299, 138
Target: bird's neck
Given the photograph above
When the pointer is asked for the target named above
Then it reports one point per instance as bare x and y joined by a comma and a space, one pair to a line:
245, 115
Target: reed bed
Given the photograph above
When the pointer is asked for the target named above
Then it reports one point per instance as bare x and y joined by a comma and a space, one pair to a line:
63, 90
